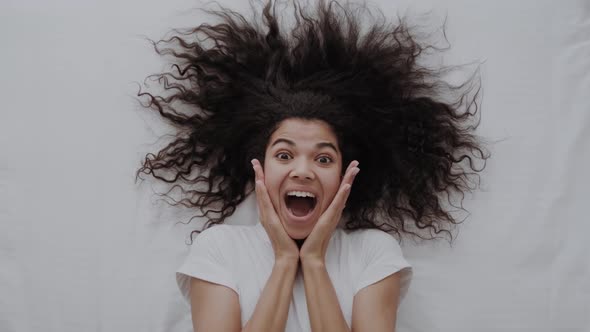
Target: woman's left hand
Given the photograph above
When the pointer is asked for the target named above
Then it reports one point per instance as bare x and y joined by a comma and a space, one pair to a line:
315, 246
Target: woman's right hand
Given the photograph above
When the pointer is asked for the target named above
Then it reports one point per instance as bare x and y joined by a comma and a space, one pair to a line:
285, 248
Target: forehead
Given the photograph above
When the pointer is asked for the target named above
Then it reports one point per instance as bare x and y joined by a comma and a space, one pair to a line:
299, 130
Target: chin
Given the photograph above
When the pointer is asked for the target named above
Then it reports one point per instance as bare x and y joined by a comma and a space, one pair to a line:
297, 234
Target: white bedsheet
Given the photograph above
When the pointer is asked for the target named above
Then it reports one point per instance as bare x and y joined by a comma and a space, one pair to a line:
83, 248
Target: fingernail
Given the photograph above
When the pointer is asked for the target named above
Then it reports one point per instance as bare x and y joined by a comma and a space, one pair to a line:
252, 161
355, 171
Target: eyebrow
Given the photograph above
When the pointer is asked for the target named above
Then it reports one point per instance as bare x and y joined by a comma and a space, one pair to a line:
318, 146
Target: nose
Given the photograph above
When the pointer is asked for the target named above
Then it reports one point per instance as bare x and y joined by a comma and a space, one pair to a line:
302, 170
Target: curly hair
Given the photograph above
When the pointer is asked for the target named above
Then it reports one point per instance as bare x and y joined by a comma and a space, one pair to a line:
233, 82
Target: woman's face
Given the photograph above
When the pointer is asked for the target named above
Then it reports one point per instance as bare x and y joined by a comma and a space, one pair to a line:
302, 168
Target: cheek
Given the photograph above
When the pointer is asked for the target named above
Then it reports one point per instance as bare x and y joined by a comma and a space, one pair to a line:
331, 185
272, 180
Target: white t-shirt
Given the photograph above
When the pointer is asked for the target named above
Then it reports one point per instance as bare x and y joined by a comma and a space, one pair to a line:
241, 258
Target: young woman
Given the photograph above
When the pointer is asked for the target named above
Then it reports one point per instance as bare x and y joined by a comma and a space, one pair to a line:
295, 117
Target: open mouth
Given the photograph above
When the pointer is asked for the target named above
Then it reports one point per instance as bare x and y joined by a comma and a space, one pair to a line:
300, 204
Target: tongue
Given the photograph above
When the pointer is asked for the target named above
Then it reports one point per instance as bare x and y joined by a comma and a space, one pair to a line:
300, 206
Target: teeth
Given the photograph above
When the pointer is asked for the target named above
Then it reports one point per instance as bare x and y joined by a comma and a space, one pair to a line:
300, 194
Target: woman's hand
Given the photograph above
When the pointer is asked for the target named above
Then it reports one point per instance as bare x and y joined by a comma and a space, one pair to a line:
315, 246
284, 247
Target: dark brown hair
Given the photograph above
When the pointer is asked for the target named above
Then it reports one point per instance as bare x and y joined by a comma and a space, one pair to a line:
233, 82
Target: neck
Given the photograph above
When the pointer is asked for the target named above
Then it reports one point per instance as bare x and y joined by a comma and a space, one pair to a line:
299, 243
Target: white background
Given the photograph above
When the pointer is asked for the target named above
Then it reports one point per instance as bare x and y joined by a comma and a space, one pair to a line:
85, 248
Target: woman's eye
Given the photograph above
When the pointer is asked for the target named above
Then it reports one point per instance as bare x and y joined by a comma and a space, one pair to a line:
283, 156
324, 160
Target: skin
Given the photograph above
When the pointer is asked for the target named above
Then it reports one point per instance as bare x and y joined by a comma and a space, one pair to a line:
302, 155
216, 307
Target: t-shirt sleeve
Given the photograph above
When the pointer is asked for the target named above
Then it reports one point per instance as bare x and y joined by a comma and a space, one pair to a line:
207, 260
381, 256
